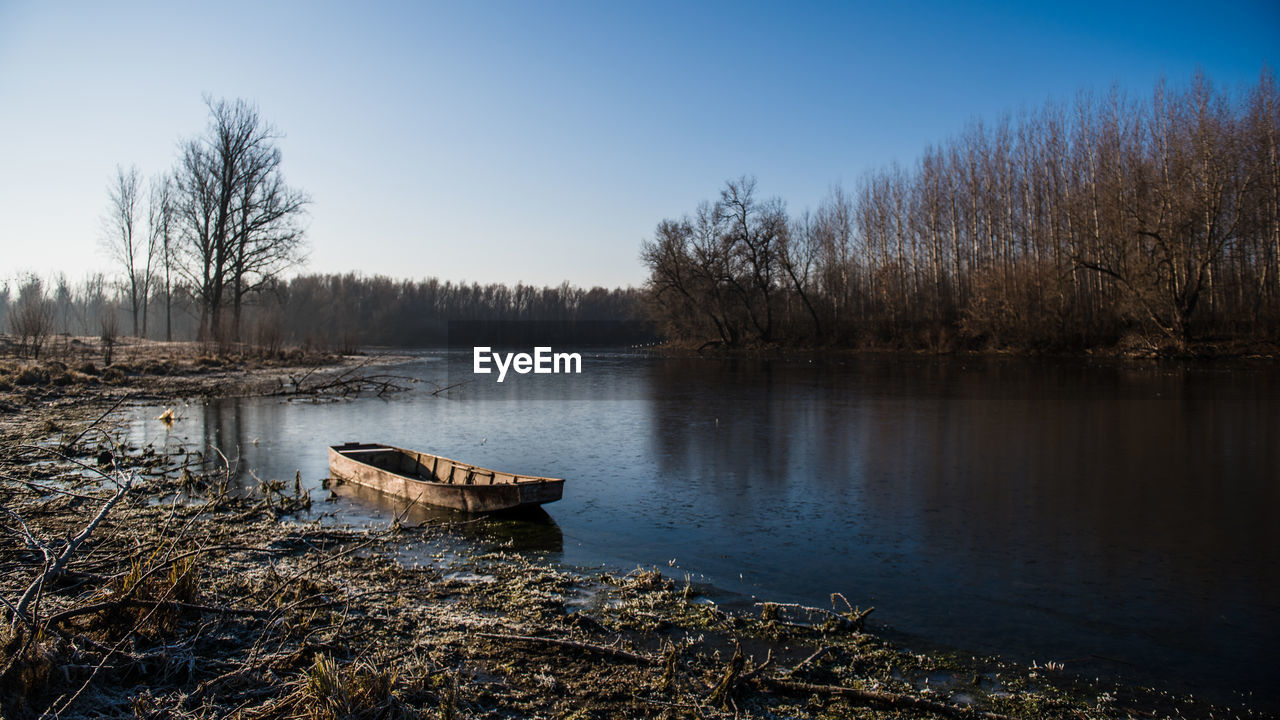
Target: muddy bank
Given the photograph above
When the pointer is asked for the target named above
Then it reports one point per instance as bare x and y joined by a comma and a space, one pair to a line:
84, 369
187, 601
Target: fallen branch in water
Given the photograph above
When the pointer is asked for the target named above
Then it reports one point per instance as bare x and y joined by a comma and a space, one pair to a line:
344, 386
851, 620
439, 389
348, 382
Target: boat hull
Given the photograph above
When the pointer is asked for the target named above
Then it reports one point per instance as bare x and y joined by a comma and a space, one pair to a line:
403, 474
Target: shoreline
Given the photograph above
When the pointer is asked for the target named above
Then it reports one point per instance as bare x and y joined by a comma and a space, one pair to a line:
1135, 352
470, 634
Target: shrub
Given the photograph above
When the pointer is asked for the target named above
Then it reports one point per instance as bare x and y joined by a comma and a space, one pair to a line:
32, 376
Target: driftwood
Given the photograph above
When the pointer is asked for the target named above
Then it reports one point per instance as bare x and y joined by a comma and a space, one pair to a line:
722, 694
351, 381
347, 385
854, 619
446, 388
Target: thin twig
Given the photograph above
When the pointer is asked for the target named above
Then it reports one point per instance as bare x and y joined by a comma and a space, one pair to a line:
65, 556
94, 424
816, 654
112, 604
590, 647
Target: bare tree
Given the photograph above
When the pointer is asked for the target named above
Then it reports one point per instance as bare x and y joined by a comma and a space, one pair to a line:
90, 300
63, 303
798, 253
31, 317
1077, 225
753, 231
267, 229
239, 223
133, 251
4, 302
1263, 125
833, 229
161, 238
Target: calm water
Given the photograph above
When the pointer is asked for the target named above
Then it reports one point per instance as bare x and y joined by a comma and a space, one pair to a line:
1120, 520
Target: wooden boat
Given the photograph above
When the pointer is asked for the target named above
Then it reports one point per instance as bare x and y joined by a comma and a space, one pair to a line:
436, 480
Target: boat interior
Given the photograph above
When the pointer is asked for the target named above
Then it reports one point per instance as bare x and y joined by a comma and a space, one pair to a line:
430, 468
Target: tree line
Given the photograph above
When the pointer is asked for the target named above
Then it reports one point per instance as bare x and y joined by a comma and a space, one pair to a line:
345, 311
1075, 225
340, 312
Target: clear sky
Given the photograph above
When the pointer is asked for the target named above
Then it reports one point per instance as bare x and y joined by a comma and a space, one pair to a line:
542, 141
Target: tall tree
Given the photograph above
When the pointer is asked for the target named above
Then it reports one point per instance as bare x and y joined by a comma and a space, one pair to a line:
239, 222
160, 228
128, 246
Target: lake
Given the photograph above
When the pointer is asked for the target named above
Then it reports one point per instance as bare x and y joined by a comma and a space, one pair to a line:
1120, 519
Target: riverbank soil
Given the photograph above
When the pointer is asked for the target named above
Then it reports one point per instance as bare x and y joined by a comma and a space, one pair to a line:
144, 583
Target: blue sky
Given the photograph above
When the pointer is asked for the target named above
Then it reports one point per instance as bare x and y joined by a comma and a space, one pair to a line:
542, 141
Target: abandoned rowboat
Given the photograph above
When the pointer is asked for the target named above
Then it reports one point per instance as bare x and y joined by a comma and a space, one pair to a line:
435, 480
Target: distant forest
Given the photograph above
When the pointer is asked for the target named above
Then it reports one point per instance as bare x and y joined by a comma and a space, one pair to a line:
1147, 224
326, 312
1105, 220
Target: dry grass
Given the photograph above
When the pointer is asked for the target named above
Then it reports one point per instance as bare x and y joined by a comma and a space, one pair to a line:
329, 690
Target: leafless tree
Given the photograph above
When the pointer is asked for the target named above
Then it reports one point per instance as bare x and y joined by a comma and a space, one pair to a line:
4, 303
1079, 224
161, 239
753, 232
63, 303
239, 222
90, 299
798, 253
31, 317
133, 250
833, 230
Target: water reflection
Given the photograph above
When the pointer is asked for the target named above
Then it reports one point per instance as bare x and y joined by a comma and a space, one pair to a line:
530, 530
1120, 519
1127, 513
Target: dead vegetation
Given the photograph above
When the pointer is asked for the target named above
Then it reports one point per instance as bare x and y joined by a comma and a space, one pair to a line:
353, 380
155, 370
